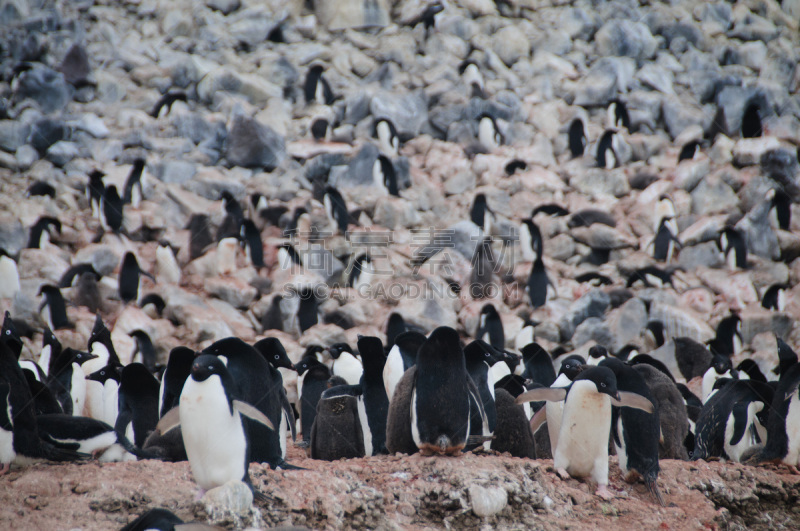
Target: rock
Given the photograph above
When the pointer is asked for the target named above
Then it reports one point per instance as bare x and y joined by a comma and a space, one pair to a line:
713, 195
177, 23
234, 498
656, 77
13, 135
46, 87
226, 7
234, 291
345, 14
593, 329
13, 236
731, 102
596, 88
75, 66
625, 38
624, 324
593, 304
408, 112
596, 182
759, 235
46, 132
754, 28
753, 54
254, 145
26, 156
748, 151
103, 258
702, 255
510, 44
62, 152
680, 322
487, 501
690, 172
173, 171
394, 213
43, 265
257, 90
602, 237
359, 171
679, 115
756, 322
460, 183
204, 323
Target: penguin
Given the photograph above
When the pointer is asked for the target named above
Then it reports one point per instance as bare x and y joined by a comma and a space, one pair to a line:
513, 431
51, 349
399, 438
345, 363
526, 335
617, 115
251, 241
226, 256
582, 443
56, 317
589, 216
539, 284
320, 128
647, 359
538, 365
635, 433
44, 400
273, 317
145, 348
361, 273
530, 240
692, 357
138, 403
275, 354
515, 165
490, 327
402, 356
571, 367
606, 154
721, 367
376, 401
216, 439
87, 436
774, 297
130, 278
672, 413
336, 208
168, 270
165, 102
316, 88
384, 175
41, 188
489, 135
94, 191
337, 431
781, 208
472, 78
9, 276
733, 247
654, 334
179, 365
665, 209
783, 422
751, 121
157, 519
388, 139
41, 232
577, 138
483, 267
133, 193
664, 242
649, 276
153, 305
478, 358
262, 387
67, 280
749, 369
199, 235
308, 309
727, 424
597, 354
443, 396
67, 380
101, 347
594, 278
689, 150
231, 223
786, 358
550, 209
10, 336
481, 215
109, 378
7, 453
315, 375
728, 338
111, 210
289, 258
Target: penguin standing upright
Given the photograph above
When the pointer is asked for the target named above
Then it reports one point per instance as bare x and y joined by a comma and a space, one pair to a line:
101, 347
316, 88
530, 240
134, 184
733, 247
345, 363
251, 241
9, 276
606, 156
751, 121
388, 139
10, 336
179, 365
336, 208
672, 413
583, 439
483, 267
774, 297
41, 234
145, 348
538, 365
664, 242
216, 440
315, 376
577, 138
376, 402
308, 309
273, 351
781, 208
571, 367
489, 134
94, 191
138, 403
635, 433
111, 209
199, 235
337, 430
169, 271
481, 215
478, 357
402, 356
67, 380
109, 378
617, 115
384, 175
539, 283
56, 307
130, 277
229, 228
490, 327
361, 273
783, 423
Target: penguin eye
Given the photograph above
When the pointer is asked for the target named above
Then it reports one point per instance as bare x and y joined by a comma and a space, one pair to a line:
8, 332
277, 357
602, 384
486, 354
210, 367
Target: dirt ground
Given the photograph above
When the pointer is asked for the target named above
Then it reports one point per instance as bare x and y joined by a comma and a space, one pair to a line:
408, 492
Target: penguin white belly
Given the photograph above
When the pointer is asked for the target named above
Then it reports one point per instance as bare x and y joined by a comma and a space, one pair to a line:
110, 402
367, 433
7, 453
31, 366
214, 439
95, 364
793, 431
226, 256
9, 278
497, 372
414, 428
161, 394
94, 445
283, 433
735, 451
523, 339
348, 367
594, 361
583, 439
168, 269
554, 412
44, 359
622, 452
94, 406
116, 454
709, 378
392, 371
77, 390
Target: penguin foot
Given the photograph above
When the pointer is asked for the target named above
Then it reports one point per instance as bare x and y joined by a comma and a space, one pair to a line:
603, 492
793, 469
563, 474
302, 444
4, 468
200, 494
283, 465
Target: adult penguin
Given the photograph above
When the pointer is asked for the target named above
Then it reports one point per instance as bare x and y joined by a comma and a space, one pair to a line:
478, 358
144, 348
103, 352
402, 356
345, 363
577, 138
539, 283
251, 241
109, 378
67, 380
133, 193
130, 278
56, 307
582, 443
336, 208
138, 403
275, 354
490, 327
571, 367
179, 365
783, 423
376, 401
259, 388
635, 432
312, 379
538, 365
41, 232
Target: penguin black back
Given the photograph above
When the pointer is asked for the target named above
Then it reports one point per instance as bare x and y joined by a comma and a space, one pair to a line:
577, 138
134, 181
376, 401
40, 232
112, 209
490, 327
315, 378
200, 235
606, 155
138, 402
251, 239
538, 365
336, 208
751, 121
56, 307
316, 88
179, 365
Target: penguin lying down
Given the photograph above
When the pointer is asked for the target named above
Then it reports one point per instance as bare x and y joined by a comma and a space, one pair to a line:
582, 449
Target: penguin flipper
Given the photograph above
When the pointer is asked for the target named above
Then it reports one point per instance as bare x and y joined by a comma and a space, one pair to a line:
739, 421
550, 394
637, 401
652, 486
249, 411
170, 420
539, 418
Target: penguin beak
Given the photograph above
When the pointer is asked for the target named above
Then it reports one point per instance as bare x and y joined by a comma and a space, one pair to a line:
616, 397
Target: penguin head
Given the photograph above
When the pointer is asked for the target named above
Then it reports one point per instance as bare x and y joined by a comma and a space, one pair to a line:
109, 372
721, 364
488, 311
572, 366
307, 364
480, 351
444, 344
534, 351
627, 352
10, 335
336, 350
205, 366
603, 378
598, 352
79, 356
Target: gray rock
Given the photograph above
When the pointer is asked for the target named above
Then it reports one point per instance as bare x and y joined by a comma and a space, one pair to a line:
624, 323
781, 165
680, 114
578, 23
487, 501
657, 77
345, 14
75, 66
26, 156
104, 260
754, 28
177, 23
598, 181
716, 12
13, 134
713, 195
758, 233
174, 171
748, 151
62, 152
679, 322
683, 30
46, 132
234, 498
460, 183
408, 112
596, 88
758, 322
732, 101
593, 329
702, 255
625, 38
254, 145
394, 213
45, 86
193, 127
592, 304
235, 292
359, 171
465, 238
510, 44
13, 236
226, 7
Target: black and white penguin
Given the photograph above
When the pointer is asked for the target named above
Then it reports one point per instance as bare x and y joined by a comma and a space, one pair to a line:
165, 102
515, 165
731, 420
94, 191
41, 232
315, 376
384, 175
577, 138
308, 312
665, 209
56, 315
199, 235
179, 365
483, 269
337, 431
781, 208
361, 273
275, 354
649, 276
654, 334
490, 327
9, 276
111, 209
376, 401
733, 247
7, 453
109, 377
538, 365
10, 335
481, 215
399, 437
489, 134
51, 349
593, 278
153, 305
530, 240
478, 358
786, 358
606, 156
336, 208
45, 402
526, 335
316, 88
472, 78
87, 436
783, 422
133, 193
320, 128
664, 242
167, 268
689, 150
144, 348
216, 440
101, 347
582, 448
635, 433
388, 139
41, 189
550, 209
346, 363
751, 121
67, 279
539, 287
402, 356
728, 338
273, 316
226, 255
289, 258
130, 278
672, 413
67, 380
597, 354
442, 380
138, 403
617, 115
234, 214
721, 367
251, 241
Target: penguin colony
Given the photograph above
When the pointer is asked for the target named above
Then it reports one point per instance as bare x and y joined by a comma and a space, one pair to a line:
510, 375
